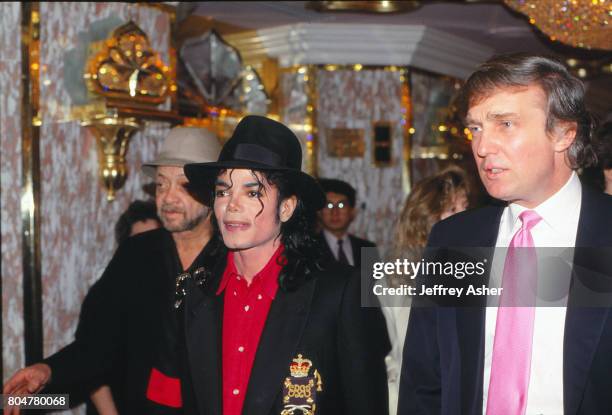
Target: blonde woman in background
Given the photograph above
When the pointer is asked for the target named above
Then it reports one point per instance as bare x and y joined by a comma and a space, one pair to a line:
431, 200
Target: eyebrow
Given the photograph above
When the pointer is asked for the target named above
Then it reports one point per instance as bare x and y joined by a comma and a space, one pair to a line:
493, 116
220, 182
502, 115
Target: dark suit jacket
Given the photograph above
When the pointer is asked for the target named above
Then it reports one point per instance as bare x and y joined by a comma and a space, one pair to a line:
443, 363
322, 320
356, 245
122, 323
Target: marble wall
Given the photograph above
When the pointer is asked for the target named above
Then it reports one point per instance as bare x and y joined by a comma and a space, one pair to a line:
10, 186
77, 223
357, 99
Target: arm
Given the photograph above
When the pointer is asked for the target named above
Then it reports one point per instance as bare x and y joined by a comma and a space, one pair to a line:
97, 339
102, 398
99, 336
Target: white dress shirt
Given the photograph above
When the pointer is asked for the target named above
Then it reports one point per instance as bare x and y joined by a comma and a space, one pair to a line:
332, 241
558, 228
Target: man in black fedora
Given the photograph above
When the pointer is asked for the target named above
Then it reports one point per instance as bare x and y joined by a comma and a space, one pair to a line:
272, 332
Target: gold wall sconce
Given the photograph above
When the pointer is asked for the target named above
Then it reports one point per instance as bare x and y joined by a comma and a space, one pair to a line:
113, 135
127, 81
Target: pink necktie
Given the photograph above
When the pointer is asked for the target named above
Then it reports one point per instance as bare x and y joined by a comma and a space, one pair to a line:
514, 328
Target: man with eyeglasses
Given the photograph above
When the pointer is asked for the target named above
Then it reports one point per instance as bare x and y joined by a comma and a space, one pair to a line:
336, 217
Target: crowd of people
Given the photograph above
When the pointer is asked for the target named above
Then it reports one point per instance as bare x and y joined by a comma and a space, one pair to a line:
238, 289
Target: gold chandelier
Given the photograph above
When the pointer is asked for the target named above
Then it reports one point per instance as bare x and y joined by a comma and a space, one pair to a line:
579, 23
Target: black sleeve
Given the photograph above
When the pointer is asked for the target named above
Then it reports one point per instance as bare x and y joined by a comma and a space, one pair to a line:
362, 344
99, 337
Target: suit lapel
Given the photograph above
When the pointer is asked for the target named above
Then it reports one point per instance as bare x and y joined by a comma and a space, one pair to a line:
203, 324
583, 325
277, 347
470, 321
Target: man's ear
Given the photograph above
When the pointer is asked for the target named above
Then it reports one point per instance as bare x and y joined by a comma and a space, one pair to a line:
564, 135
287, 208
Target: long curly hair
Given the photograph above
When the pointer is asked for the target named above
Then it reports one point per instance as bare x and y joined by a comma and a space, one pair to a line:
424, 206
302, 253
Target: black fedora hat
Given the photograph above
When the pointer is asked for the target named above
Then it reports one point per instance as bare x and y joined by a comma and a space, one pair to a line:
259, 143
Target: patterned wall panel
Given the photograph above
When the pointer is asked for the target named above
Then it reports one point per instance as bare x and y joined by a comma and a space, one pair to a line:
294, 101
357, 99
10, 186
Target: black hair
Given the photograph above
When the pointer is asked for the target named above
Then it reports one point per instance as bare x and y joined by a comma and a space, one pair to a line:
340, 187
138, 210
302, 254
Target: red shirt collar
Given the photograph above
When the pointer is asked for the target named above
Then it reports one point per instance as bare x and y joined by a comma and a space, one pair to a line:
268, 274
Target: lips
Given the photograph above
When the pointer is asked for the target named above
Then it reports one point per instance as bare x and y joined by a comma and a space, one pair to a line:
236, 226
493, 171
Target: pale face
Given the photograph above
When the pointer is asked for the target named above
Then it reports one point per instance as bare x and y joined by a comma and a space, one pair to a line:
247, 212
459, 204
337, 215
176, 208
517, 160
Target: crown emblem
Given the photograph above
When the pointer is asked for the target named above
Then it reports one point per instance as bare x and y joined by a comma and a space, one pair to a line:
300, 367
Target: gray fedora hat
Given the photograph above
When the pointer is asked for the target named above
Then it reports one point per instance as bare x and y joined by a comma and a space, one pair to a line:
185, 145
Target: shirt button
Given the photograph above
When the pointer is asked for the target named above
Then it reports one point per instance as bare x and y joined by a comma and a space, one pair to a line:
235, 391
259, 297
246, 308
241, 349
235, 293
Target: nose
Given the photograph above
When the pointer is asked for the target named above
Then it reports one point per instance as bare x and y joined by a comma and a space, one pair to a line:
171, 195
233, 203
484, 144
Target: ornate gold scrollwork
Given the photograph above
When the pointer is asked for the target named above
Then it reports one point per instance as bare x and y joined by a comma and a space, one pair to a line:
128, 68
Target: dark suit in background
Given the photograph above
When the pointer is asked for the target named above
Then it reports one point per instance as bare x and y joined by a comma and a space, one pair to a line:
356, 245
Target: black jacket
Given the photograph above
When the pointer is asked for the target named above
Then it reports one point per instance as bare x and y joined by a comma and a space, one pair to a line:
124, 319
443, 364
322, 320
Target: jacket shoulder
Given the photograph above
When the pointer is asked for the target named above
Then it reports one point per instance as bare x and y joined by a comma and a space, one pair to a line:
471, 227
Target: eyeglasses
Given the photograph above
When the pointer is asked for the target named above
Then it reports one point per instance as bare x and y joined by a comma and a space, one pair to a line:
339, 205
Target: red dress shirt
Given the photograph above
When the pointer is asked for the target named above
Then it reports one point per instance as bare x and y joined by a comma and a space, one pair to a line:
245, 311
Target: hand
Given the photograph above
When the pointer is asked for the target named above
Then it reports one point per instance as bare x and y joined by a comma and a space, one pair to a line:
26, 381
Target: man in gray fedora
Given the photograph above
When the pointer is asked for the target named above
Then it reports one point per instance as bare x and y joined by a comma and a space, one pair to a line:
128, 324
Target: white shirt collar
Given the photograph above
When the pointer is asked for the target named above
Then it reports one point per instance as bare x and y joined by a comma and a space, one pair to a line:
555, 210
